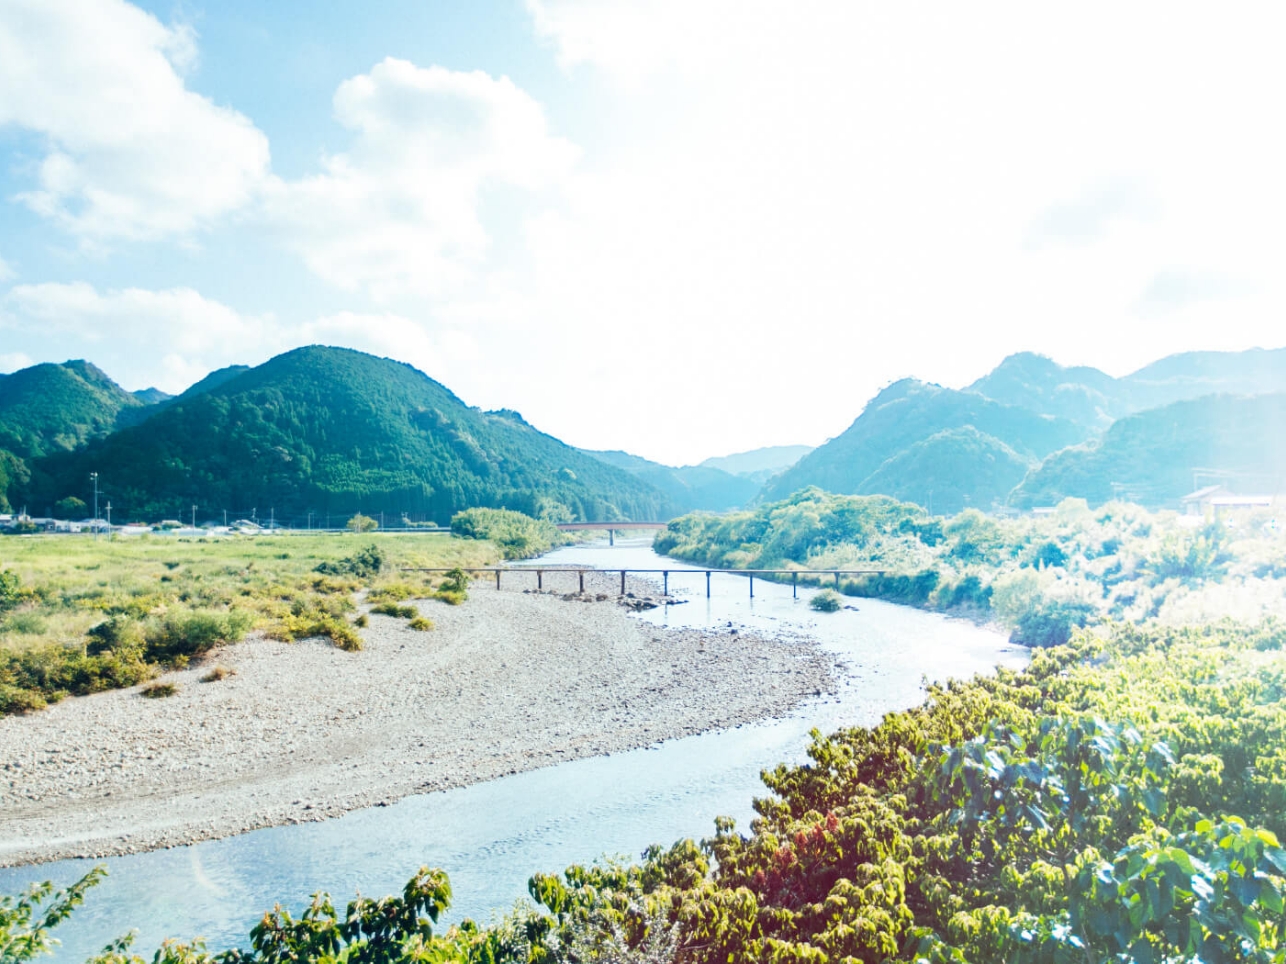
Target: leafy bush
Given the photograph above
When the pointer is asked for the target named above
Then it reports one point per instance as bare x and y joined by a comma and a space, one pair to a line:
314, 624
10, 590
421, 624
363, 564
449, 597
158, 691
218, 673
26, 624
393, 609
826, 601
186, 634
362, 523
518, 536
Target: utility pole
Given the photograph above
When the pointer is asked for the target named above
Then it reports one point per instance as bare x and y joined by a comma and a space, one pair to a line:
109, 514
272, 518
94, 476
193, 517
225, 518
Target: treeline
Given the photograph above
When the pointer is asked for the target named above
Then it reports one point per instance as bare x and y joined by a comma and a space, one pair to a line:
1041, 577
1118, 800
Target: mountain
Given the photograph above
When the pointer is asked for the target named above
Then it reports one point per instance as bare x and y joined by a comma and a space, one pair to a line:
211, 381
1095, 399
1150, 457
1196, 373
910, 412
761, 464
1083, 395
55, 408
151, 396
950, 471
689, 488
330, 430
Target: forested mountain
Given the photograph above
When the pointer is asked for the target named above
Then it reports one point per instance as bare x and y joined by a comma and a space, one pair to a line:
689, 487
1086, 396
1150, 457
761, 464
911, 412
55, 408
330, 430
1095, 399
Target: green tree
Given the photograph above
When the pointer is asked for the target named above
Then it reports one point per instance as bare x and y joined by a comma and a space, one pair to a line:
362, 523
70, 508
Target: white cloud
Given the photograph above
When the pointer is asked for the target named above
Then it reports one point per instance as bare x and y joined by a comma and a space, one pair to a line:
174, 337
399, 211
129, 151
12, 361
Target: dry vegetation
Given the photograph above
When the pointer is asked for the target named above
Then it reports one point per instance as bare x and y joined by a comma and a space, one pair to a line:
82, 616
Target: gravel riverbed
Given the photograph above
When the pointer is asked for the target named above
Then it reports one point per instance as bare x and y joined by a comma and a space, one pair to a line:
509, 681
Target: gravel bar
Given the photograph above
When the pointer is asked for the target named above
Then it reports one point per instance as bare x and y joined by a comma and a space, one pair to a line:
509, 681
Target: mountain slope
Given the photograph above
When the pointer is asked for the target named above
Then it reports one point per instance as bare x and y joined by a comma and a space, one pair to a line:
689, 488
335, 431
1095, 399
1084, 395
949, 471
51, 408
909, 412
1150, 457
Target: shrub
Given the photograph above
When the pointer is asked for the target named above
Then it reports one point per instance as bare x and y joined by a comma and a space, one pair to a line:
361, 621
157, 691
183, 635
14, 699
310, 625
362, 523
518, 536
449, 597
393, 609
364, 564
421, 624
1051, 623
10, 590
395, 592
115, 633
26, 624
826, 601
218, 673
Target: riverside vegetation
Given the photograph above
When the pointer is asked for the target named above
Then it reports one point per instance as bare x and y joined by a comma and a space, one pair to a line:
1039, 576
1118, 800
80, 616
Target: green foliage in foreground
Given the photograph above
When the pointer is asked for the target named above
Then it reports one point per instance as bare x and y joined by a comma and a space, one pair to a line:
517, 535
1117, 801
1041, 577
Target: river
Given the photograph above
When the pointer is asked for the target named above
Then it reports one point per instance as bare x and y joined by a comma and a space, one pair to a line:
492, 836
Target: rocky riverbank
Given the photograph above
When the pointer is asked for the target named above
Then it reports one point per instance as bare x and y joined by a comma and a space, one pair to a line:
509, 681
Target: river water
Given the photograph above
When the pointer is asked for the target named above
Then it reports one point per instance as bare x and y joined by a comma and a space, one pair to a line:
492, 836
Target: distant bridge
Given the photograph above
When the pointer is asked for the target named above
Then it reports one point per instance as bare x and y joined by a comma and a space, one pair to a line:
611, 527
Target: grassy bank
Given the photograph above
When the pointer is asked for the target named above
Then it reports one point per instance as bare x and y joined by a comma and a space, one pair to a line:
83, 615
1040, 576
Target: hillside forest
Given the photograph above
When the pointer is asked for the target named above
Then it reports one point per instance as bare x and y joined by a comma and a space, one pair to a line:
320, 433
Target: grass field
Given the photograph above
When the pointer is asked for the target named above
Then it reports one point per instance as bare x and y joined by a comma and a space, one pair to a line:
90, 615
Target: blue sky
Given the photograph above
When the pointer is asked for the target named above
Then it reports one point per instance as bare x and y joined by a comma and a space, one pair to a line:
678, 227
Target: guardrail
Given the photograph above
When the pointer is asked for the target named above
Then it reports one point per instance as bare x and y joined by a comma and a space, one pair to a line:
664, 573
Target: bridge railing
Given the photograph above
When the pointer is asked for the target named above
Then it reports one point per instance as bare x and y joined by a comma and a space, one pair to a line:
664, 573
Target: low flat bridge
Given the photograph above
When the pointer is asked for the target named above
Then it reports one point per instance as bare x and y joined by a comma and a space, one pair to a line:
611, 527
541, 572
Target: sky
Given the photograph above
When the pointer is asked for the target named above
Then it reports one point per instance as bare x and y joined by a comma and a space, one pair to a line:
682, 228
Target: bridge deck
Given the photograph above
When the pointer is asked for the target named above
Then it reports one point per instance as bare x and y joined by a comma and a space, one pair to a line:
664, 573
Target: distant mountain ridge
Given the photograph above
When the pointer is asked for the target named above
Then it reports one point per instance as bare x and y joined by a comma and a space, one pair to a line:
56, 408
871, 455
690, 487
759, 464
331, 430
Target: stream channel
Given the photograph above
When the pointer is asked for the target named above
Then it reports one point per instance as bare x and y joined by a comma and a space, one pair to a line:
490, 837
